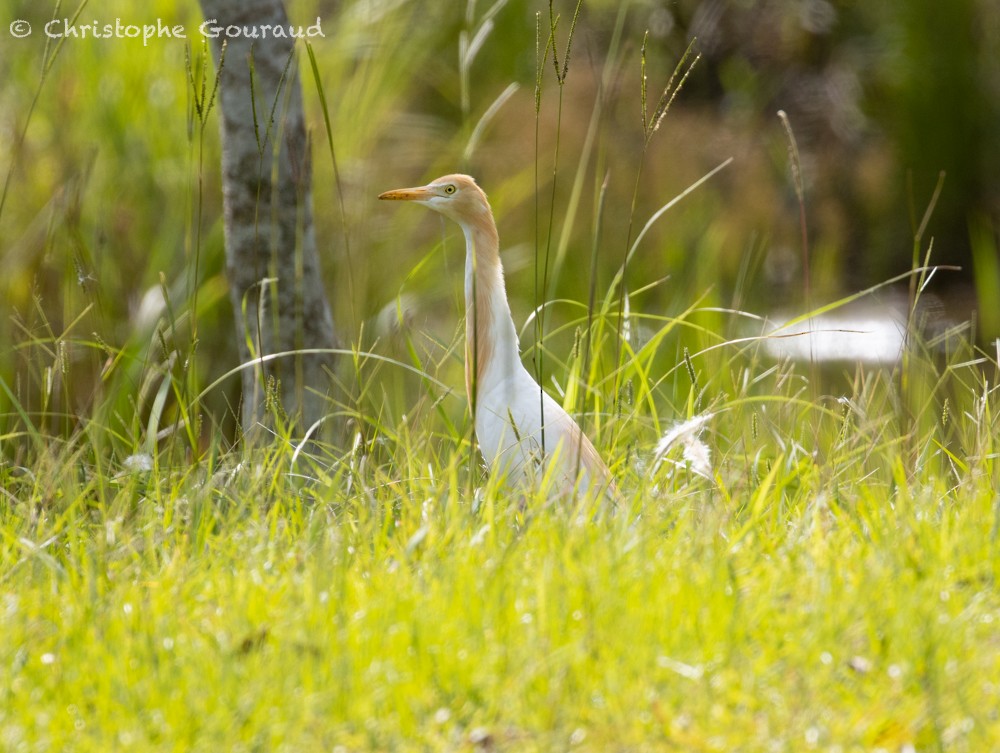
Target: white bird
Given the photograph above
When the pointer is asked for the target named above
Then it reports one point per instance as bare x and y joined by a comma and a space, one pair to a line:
522, 431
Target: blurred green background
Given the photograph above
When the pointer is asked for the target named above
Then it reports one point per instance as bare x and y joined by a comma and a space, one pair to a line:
115, 188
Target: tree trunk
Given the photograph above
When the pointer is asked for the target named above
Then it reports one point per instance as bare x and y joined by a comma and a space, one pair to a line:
271, 259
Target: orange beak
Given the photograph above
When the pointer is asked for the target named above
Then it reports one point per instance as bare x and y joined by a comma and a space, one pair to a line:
420, 193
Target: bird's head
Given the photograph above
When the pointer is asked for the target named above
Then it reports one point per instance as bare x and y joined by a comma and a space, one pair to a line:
455, 196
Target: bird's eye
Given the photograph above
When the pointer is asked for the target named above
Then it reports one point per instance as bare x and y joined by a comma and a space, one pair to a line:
450, 189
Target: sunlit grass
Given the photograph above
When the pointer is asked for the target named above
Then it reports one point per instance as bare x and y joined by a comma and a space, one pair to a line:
832, 585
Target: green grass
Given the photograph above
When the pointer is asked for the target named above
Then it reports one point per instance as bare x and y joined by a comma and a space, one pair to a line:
844, 599
833, 586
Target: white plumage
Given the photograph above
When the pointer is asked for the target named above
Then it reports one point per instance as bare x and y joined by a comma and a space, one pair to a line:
510, 408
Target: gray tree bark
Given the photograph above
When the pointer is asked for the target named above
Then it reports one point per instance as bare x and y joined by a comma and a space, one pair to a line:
271, 258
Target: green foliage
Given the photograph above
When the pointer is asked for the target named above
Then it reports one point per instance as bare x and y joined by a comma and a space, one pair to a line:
832, 585
835, 584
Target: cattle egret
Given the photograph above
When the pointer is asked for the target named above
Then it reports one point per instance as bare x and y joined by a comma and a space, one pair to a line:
521, 430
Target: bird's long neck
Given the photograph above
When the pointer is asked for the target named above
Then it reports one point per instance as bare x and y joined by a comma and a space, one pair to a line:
491, 347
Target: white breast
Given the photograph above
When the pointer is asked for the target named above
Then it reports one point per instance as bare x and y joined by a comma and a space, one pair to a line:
509, 427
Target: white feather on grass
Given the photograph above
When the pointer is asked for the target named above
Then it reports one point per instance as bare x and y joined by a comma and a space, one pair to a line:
695, 453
